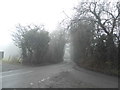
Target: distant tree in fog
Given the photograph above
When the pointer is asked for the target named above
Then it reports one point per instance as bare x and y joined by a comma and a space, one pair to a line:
56, 45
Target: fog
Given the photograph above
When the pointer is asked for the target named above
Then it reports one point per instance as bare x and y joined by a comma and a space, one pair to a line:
67, 52
25, 12
11, 50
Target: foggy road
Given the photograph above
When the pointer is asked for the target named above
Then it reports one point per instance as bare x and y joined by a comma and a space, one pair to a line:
23, 77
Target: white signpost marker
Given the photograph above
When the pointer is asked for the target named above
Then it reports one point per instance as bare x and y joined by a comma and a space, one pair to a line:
1, 54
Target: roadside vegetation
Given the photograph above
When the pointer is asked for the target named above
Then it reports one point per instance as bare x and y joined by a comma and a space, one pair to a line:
95, 36
11, 60
37, 46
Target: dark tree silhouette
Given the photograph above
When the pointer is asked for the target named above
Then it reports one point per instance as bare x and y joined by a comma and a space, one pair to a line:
33, 41
97, 46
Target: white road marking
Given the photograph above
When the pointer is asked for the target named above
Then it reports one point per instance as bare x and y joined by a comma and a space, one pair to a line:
15, 74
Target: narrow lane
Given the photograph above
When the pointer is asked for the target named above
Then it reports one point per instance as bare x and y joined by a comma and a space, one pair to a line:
23, 77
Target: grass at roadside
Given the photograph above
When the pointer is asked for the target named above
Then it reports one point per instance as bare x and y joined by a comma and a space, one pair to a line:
104, 68
11, 63
11, 60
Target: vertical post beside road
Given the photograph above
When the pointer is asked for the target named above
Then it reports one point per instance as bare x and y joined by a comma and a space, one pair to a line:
1, 54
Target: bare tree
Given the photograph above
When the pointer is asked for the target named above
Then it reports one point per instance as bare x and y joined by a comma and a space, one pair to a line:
106, 14
97, 23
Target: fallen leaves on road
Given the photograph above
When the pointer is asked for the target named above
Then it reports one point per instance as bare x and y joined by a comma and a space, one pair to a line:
64, 80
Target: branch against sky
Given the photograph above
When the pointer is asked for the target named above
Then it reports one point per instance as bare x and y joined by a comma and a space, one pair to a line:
106, 14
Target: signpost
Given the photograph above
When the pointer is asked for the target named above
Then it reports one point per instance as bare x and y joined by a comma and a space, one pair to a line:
1, 54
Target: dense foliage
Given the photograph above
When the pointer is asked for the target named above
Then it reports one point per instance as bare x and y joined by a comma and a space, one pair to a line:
37, 47
95, 35
33, 41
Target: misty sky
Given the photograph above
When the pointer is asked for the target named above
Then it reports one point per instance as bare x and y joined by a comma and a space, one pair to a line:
47, 12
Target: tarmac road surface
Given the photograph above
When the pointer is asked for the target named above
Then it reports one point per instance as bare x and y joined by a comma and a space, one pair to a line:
22, 78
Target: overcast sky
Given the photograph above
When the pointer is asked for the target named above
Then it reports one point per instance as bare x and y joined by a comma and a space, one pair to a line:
47, 12
25, 12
